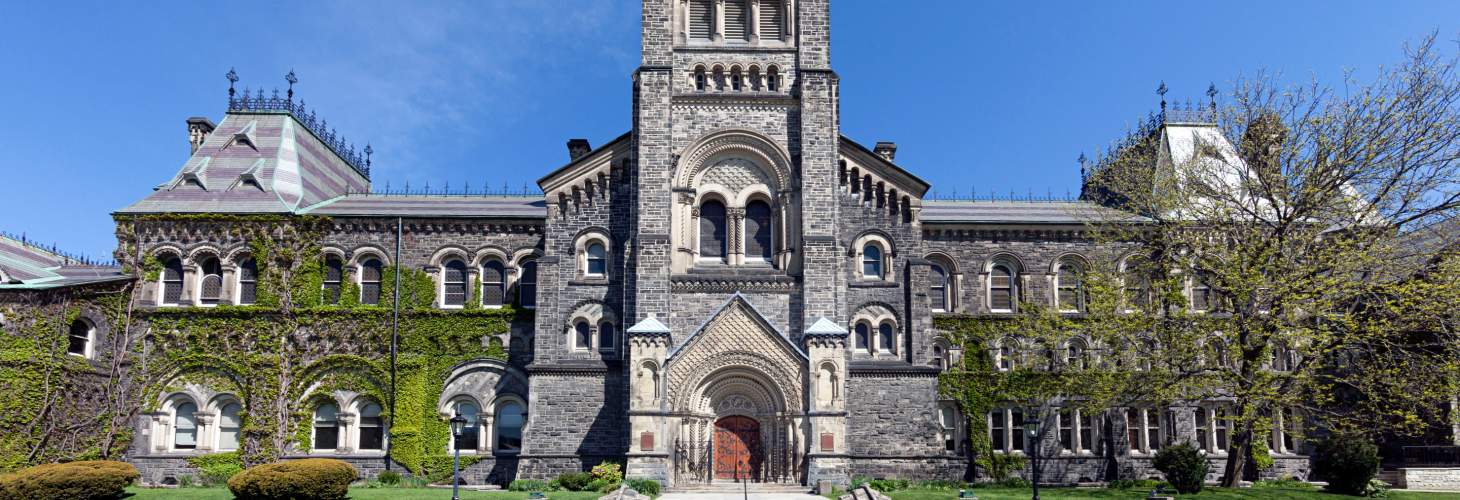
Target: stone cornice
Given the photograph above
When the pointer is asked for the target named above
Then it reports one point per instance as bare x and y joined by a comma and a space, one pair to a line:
730, 284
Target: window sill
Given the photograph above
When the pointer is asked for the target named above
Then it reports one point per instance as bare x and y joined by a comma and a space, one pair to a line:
589, 282
873, 283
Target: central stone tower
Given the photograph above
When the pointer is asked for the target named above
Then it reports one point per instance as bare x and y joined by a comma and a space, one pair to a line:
733, 224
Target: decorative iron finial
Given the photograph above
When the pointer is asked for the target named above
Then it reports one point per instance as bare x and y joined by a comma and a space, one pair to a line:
1082, 161
292, 80
232, 77
1212, 95
368, 151
1162, 92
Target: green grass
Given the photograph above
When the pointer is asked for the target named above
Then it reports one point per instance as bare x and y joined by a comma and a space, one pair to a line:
360, 494
1134, 494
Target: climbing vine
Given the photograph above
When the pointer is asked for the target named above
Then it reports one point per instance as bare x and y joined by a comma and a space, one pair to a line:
279, 356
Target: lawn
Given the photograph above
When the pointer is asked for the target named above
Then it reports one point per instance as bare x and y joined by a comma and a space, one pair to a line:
1133, 494
913, 494
358, 494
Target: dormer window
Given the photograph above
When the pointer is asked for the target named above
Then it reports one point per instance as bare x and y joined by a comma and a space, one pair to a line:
211, 281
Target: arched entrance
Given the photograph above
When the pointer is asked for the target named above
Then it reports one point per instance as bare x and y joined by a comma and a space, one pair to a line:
737, 448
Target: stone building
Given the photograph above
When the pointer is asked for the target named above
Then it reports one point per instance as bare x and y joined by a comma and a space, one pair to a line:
730, 290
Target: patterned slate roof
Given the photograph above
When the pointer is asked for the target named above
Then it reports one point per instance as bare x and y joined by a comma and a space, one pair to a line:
255, 162
364, 205
1019, 212
27, 266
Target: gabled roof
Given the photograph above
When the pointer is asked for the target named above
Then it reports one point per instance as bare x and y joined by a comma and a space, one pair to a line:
1020, 212
910, 183
566, 173
367, 205
650, 325
736, 300
285, 165
29, 267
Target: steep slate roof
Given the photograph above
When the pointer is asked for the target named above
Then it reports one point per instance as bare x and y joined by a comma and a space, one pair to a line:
365, 205
1019, 212
255, 162
27, 266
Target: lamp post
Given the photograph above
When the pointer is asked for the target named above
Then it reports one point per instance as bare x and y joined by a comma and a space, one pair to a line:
1031, 430
457, 423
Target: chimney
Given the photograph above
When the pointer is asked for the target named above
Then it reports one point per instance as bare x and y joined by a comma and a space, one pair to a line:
198, 130
887, 150
577, 148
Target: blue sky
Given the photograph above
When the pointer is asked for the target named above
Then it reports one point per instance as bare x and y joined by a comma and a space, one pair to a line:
992, 96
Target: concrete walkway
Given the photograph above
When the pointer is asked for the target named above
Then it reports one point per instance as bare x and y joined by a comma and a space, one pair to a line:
739, 496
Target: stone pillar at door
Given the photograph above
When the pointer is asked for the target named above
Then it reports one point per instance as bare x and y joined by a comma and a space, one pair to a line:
650, 442
827, 463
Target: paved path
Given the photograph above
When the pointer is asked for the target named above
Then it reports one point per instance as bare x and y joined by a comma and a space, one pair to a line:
739, 496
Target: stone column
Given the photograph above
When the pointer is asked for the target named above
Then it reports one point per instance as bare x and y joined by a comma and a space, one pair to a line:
161, 425
206, 431
487, 434
825, 427
347, 430
651, 444
735, 235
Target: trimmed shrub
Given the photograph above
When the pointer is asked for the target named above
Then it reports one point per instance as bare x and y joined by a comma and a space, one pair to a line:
527, 485
216, 469
648, 487
84, 480
1348, 463
1183, 466
574, 481
608, 471
306, 479
886, 485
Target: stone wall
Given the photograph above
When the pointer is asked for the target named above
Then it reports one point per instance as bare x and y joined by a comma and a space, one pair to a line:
1430, 478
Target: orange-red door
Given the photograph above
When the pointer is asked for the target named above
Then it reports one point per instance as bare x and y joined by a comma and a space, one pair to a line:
735, 438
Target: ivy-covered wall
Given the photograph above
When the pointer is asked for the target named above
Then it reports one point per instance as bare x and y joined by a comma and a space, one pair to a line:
276, 356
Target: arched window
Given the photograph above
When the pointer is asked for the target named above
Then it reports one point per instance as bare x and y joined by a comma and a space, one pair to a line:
79, 339
454, 282
772, 20
229, 424
1075, 355
871, 261
737, 80
334, 275
326, 427
1070, 289
758, 231
211, 282
1202, 296
1137, 282
701, 19
886, 338
172, 280
700, 79
509, 421
1008, 350
582, 336
185, 428
597, 260
468, 439
755, 81
773, 79
527, 285
863, 334
494, 283
248, 281
372, 428
938, 288
736, 14
1002, 288
712, 231
370, 281
605, 336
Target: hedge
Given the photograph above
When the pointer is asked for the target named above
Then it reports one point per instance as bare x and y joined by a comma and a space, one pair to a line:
85, 480
307, 479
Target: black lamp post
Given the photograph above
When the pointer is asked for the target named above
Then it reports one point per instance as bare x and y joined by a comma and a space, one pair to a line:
457, 423
1031, 430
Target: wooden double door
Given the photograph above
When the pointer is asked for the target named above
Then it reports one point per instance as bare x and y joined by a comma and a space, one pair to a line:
737, 448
